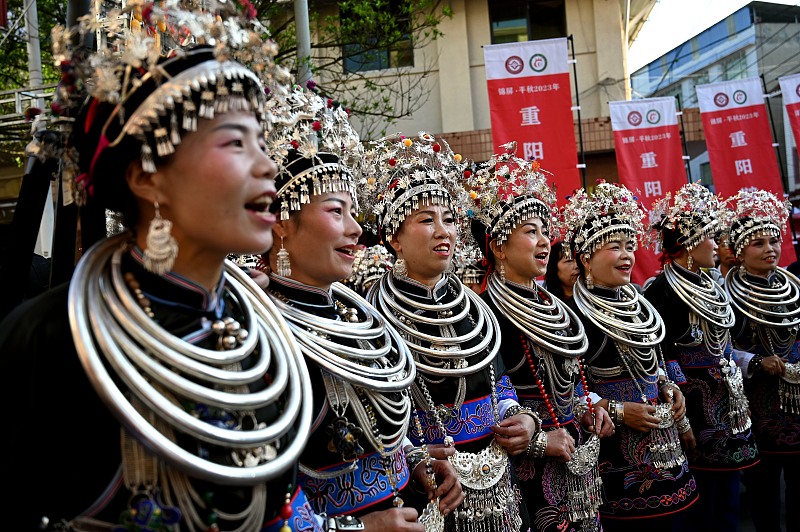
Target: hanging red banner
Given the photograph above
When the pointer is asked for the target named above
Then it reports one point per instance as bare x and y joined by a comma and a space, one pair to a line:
790, 89
739, 142
649, 153
530, 102
3, 14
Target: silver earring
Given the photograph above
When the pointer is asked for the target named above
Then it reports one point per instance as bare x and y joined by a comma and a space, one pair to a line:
400, 267
502, 271
162, 248
589, 281
284, 265
689, 262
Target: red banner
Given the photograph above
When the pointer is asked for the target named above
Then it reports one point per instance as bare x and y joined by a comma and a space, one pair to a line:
3, 14
790, 89
739, 142
530, 102
647, 143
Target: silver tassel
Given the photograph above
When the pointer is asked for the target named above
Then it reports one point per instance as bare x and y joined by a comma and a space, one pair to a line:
147, 159
189, 116
206, 105
162, 248
284, 266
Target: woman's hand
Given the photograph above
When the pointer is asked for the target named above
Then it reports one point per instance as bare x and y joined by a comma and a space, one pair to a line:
395, 519
439, 451
560, 444
678, 402
448, 488
773, 365
600, 423
515, 433
639, 416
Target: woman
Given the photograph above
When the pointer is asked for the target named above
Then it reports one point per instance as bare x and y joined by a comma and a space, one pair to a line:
561, 273
697, 320
765, 302
413, 187
165, 379
644, 470
354, 466
543, 342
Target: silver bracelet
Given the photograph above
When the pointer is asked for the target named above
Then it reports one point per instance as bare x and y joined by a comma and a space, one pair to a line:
344, 523
513, 410
682, 425
538, 445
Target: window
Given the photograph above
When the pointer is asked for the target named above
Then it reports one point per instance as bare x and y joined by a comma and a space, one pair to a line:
527, 20
369, 54
736, 66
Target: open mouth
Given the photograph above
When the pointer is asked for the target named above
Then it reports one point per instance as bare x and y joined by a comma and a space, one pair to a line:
350, 251
542, 256
260, 204
442, 248
624, 268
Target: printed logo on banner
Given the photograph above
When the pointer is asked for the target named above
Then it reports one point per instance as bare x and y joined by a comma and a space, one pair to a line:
653, 116
515, 64
797, 89
634, 118
739, 97
538, 62
721, 99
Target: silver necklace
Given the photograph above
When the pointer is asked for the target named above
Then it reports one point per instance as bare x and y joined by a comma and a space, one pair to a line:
708, 299
359, 377
381, 361
121, 343
446, 351
548, 322
773, 306
631, 319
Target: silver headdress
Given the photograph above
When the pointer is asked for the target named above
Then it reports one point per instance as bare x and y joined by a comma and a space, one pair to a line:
591, 221
315, 146
507, 190
693, 212
369, 265
756, 212
158, 68
399, 174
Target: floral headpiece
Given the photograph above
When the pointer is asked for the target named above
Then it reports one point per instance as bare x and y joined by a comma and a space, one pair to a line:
315, 145
756, 212
694, 212
160, 67
368, 266
507, 190
590, 222
472, 273
399, 174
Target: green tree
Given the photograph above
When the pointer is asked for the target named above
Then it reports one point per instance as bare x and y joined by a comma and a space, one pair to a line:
348, 37
363, 53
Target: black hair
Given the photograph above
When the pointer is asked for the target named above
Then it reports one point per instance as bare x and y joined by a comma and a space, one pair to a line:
482, 238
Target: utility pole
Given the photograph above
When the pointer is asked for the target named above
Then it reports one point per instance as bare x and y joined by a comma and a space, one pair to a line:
303, 41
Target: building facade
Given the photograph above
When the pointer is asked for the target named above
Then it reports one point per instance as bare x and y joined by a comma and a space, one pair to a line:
758, 40
455, 95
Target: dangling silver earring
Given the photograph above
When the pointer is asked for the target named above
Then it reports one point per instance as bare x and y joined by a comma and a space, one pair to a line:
502, 271
689, 262
162, 248
400, 268
284, 265
589, 281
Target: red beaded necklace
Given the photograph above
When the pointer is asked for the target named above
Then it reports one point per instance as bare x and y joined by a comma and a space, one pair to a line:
550, 409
